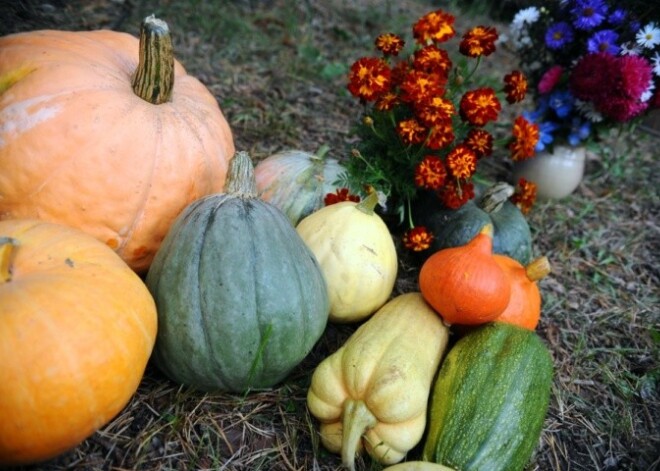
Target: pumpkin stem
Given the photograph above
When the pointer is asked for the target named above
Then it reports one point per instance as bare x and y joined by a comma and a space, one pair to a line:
538, 268
240, 176
357, 418
7, 250
495, 196
321, 153
368, 204
153, 79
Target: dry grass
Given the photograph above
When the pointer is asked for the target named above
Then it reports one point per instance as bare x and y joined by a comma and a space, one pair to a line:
277, 68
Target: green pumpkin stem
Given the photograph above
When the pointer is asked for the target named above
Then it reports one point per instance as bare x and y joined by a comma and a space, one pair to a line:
241, 181
7, 250
357, 419
538, 269
368, 204
153, 79
495, 197
321, 153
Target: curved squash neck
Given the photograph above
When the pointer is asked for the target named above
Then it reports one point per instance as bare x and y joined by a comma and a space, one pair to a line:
7, 250
153, 79
357, 419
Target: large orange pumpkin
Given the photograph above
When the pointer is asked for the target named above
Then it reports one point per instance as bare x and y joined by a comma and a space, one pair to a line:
77, 327
91, 140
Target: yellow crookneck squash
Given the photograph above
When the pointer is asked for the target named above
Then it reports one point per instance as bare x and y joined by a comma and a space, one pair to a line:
357, 256
373, 392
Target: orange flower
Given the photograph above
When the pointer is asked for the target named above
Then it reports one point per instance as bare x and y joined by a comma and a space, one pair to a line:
436, 26
480, 106
480, 141
462, 161
454, 195
341, 194
432, 59
386, 101
430, 173
478, 41
417, 239
411, 131
524, 196
435, 110
419, 87
369, 78
441, 135
389, 44
525, 138
515, 86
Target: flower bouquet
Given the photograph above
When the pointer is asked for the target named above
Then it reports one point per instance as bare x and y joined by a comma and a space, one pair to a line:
428, 119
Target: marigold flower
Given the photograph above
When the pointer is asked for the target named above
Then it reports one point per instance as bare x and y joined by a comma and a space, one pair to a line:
369, 78
454, 195
418, 86
525, 138
480, 106
432, 59
478, 41
430, 173
436, 26
441, 135
435, 110
389, 44
341, 194
515, 86
411, 131
417, 239
399, 72
480, 141
462, 161
386, 101
524, 196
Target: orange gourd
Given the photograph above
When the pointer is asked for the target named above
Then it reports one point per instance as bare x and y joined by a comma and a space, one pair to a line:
106, 133
77, 327
524, 308
465, 284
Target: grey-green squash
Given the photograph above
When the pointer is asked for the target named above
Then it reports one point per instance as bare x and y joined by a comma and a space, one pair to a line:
489, 400
456, 227
241, 300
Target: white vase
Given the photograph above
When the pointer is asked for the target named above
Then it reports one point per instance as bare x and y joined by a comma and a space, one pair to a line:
557, 174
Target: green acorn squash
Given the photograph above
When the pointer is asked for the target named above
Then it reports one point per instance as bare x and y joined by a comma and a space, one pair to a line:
241, 300
456, 227
489, 400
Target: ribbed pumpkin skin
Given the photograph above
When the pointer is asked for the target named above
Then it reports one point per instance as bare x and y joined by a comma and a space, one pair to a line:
296, 181
235, 286
77, 327
489, 400
78, 147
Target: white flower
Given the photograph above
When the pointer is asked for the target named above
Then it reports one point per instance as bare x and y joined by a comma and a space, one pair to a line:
656, 63
588, 110
526, 15
648, 36
630, 49
648, 93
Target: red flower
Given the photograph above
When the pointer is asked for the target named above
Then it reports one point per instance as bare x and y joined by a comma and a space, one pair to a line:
550, 79
436, 110
419, 87
341, 194
478, 41
462, 161
432, 59
411, 131
387, 101
417, 239
441, 135
436, 26
369, 78
453, 195
480, 141
389, 44
524, 196
525, 138
480, 106
430, 173
515, 86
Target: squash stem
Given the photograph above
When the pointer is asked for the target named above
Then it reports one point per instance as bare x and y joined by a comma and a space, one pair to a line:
495, 197
356, 420
7, 250
368, 204
538, 269
321, 153
241, 181
153, 79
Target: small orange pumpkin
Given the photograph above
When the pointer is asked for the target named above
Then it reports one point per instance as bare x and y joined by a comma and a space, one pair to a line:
77, 327
464, 284
98, 137
524, 308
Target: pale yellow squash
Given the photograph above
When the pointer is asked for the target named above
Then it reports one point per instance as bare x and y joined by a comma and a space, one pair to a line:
357, 256
372, 393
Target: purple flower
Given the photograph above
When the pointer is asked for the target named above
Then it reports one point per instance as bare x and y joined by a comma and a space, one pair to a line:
588, 14
604, 41
558, 35
617, 16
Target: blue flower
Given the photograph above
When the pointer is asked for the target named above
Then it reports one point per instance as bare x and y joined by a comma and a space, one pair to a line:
604, 41
588, 14
617, 17
580, 131
561, 101
558, 35
546, 128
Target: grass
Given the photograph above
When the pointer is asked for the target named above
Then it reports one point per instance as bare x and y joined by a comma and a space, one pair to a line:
278, 68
